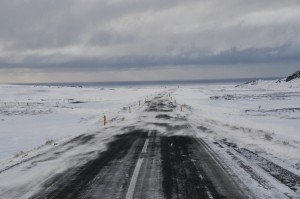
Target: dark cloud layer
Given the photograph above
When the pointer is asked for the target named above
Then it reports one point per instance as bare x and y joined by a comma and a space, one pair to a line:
111, 35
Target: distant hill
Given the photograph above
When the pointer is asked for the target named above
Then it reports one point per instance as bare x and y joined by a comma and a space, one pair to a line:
290, 81
295, 75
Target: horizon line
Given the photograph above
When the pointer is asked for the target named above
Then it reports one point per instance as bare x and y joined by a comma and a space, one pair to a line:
145, 81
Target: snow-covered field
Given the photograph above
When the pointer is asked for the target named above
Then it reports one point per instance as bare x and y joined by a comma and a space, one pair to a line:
263, 117
259, 121
31, 116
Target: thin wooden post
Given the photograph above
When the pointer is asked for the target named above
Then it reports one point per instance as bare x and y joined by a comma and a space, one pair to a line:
139, 102
181, 108
129, 109
104, 120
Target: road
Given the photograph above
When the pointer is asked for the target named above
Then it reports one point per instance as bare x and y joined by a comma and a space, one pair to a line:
143, 163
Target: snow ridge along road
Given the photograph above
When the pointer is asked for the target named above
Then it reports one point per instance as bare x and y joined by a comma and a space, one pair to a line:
156, 156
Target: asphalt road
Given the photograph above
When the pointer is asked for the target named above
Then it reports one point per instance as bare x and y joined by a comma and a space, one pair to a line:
145, 163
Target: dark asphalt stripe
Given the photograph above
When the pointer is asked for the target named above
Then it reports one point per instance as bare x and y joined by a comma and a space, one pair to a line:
181, 176
132, 185
149, 182
189, 171
72, 183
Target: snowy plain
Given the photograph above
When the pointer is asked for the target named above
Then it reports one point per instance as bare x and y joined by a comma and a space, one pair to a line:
262, 118
31, 116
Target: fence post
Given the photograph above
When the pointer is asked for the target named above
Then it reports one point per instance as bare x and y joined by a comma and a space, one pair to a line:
104, 120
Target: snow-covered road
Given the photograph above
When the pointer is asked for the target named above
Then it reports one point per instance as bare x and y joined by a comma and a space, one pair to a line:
239, 142
145, 163
152, 152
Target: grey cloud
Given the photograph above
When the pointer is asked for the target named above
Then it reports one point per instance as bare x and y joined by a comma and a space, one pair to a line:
283, 54
85, 35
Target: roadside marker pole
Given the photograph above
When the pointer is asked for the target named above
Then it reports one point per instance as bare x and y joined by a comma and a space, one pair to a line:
139, 102
181, 108
129, 109
104, 120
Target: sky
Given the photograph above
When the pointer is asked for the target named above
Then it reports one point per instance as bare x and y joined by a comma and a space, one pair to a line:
132, 40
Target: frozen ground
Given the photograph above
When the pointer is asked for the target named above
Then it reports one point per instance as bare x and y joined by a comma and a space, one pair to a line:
31, 116
251, 130
263, 117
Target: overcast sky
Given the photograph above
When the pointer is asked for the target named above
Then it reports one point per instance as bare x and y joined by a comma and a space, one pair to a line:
119, 40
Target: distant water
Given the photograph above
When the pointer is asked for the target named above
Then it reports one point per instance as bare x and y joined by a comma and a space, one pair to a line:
149, 83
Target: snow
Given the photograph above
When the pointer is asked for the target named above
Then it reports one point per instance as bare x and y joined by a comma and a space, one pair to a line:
263, 117
23, 175
280, 84
32, 115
